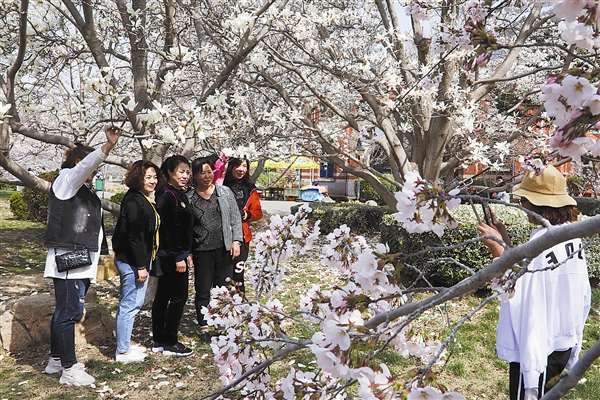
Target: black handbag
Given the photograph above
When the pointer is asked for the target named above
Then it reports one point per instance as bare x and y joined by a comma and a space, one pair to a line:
73, 259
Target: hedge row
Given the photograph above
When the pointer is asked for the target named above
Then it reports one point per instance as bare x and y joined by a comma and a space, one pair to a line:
363, 219
32, 205
359, 218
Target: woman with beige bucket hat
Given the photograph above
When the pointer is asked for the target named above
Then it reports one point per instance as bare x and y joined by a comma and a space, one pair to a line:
540, 330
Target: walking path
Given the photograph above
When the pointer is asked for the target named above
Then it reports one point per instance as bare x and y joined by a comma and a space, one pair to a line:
278, 206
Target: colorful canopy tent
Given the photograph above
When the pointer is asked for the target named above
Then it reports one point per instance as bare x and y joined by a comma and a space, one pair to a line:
299, 162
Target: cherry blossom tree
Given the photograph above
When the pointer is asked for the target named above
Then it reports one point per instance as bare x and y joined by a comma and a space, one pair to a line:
372, 306
411, 87
154, 68
311, 77
348, 327
276, 77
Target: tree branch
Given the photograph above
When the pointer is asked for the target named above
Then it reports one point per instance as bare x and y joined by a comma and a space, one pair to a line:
554, 236
509, 61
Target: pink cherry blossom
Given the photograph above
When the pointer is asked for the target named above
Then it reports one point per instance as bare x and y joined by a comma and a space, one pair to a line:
427, 393
596, 149
558, 140
551, 92
577, 90
593, 104
576, 148
569, 10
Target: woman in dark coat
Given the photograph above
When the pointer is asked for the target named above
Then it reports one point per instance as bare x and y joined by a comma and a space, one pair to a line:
174, 257
135, 244
248, 201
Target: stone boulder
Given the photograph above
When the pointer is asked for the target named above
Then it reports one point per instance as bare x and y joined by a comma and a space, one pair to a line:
26, 322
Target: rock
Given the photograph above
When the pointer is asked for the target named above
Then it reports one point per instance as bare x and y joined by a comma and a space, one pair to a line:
106, 268
26, 322
371, 203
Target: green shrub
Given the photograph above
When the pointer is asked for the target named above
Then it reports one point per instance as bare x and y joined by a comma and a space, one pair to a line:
368, 193
575, 184
18, 206
359, 218
7, 186
474, 256
588, 206
117, 197
35, 201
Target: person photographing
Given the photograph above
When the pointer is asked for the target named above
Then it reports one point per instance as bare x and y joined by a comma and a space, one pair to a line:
540, 330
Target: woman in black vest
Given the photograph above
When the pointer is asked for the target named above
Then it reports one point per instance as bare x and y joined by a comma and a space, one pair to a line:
135, 244
174, 257
74, 223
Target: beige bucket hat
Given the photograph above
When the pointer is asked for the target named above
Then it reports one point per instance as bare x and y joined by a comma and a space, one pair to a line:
548, 189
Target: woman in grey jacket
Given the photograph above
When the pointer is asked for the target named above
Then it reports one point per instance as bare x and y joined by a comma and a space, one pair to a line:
217, 236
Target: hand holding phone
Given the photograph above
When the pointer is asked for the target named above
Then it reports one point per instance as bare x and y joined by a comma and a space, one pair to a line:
487, 213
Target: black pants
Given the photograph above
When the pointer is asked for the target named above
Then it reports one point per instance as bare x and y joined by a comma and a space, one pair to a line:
171, 296
556, 364
211, 268
239, 266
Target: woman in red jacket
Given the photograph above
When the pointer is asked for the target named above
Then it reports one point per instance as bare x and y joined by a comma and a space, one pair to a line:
248, 200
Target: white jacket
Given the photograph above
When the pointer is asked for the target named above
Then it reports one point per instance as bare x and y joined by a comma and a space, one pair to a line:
66, 185
547, 312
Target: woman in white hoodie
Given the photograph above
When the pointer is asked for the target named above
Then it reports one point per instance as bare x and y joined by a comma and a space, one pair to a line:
540, 330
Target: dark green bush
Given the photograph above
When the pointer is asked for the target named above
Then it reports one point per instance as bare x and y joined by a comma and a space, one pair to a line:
368, 193
588, 206
117, 197
474, 256
7, 186
18, 206
36, 202
359, 218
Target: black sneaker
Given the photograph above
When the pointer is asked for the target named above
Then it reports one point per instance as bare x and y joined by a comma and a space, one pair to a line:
177, 349
158, 347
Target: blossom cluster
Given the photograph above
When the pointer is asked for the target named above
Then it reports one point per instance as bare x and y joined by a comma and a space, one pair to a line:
574, 103
535, 163
505, 286
335, 321
572, 98
423, 207
285, 236
484, 43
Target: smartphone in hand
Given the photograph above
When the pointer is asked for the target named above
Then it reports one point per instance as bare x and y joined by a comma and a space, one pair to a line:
487, 213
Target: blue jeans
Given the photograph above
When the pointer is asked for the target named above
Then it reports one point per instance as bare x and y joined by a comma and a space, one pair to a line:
131, 301
70, 296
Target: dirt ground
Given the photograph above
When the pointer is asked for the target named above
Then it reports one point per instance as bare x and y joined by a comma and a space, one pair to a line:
159, 377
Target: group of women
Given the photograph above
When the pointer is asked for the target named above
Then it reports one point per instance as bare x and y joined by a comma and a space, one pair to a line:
194, 224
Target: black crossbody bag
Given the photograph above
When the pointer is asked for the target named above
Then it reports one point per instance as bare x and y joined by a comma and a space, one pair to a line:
73, 259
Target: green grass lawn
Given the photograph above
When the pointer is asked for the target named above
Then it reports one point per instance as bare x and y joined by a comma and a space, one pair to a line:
21, 241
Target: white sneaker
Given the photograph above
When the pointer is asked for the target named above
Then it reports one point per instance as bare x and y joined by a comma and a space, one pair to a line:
133, 356
76, 376
140, 349
157, 348
53, 367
